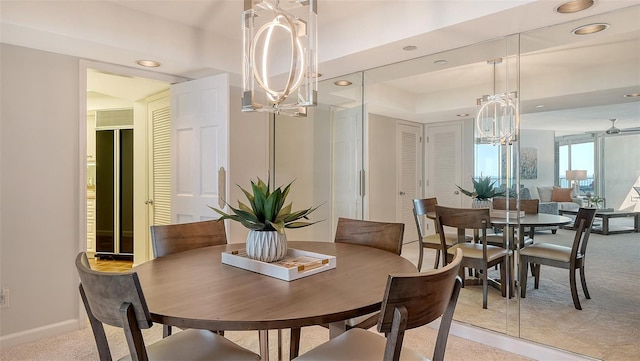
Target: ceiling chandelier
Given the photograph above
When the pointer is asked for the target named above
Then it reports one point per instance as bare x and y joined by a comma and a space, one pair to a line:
280, 61
497, 116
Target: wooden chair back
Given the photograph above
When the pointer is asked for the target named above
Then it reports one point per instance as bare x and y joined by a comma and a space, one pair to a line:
420, 209
382, 235
463, 218
582, 224
173, 238
415, 300
501, 203
529, 206
117, 300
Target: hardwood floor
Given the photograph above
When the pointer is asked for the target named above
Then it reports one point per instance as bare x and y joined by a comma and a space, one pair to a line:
107, 265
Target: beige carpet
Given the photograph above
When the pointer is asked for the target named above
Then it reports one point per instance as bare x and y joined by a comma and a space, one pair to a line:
607, 327
80, 346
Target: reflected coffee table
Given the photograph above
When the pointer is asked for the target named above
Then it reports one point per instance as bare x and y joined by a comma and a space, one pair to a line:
605, 214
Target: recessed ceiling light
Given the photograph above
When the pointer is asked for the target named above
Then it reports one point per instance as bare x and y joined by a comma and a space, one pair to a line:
540, 106
574, 6
440, 62
410, 48
632, 95
342, 83
463, 114
148, 63
314, 75
590, 29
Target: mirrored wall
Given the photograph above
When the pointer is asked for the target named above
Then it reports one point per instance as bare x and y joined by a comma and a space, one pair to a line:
380, 138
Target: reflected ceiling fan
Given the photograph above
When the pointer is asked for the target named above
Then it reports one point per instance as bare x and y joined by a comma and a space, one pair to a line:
616, 131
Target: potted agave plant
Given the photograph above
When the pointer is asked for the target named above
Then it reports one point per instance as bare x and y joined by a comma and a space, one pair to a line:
266, 217
483, 192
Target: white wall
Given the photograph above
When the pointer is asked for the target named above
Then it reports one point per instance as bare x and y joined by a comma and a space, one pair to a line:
622, 172
39, 191
248, 156
382, 159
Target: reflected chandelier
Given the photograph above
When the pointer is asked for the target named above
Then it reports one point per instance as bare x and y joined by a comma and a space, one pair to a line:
280, 61
497, 116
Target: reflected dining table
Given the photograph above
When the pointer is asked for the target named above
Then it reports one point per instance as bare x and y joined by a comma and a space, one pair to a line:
194, 289
508, 226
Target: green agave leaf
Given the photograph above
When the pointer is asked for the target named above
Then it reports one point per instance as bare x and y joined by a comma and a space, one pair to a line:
278, 226
259, 199
284, 212
245, 208
271, 205
300, 224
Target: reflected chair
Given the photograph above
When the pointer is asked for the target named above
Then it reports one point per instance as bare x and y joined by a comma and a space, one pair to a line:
479, 256
117, 299
571, 258
173, 238
382, 235
421, 207
410, 301
529, 206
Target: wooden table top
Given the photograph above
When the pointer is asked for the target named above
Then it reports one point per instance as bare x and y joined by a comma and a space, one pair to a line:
195, 289
529, 220
533, 220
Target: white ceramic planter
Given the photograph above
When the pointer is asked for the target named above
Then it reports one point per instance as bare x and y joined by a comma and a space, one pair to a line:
266, 246
482, 203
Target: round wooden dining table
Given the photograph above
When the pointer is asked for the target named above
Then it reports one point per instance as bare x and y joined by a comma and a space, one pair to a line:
194, 289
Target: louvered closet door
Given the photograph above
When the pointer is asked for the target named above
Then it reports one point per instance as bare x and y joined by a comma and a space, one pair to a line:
444, 155
409, 175
160, 210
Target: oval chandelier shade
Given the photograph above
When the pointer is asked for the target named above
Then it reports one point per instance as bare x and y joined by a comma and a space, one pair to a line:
496, 120
279, 56
497, 117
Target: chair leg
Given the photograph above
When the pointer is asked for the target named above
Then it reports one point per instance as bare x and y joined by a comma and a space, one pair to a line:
166, 331
584, 283
574, 289
420, 255
294, 344
503, 279
524, 265
536, 279
485, 288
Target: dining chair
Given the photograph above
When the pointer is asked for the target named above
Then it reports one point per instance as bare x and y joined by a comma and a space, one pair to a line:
528, 206
173, 238
477, 255
571, 258
382, 235
410, 301
421, 207
117, 299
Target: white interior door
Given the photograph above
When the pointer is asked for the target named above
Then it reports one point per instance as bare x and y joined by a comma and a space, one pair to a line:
409, 144
444, 158
199, 147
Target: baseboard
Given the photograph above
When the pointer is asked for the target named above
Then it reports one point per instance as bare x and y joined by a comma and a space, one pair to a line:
39, 333
514, 345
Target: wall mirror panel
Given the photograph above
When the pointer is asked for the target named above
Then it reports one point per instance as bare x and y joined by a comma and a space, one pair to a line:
404, 123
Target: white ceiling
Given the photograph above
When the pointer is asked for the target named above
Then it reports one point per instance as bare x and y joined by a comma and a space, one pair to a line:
202, 37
